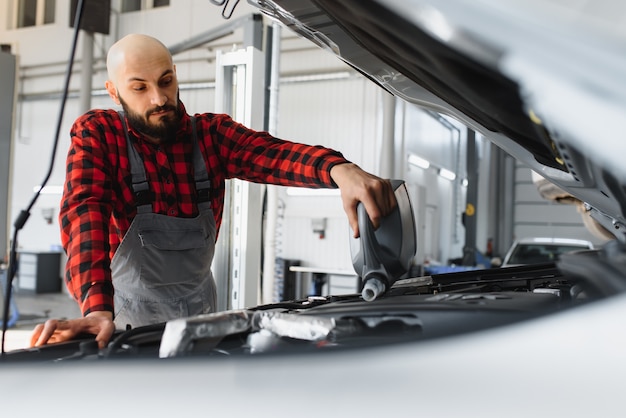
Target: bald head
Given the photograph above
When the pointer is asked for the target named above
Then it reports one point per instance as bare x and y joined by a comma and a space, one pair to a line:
142, 79
135, 51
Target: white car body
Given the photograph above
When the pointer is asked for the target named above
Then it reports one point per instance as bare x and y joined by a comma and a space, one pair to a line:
544, 250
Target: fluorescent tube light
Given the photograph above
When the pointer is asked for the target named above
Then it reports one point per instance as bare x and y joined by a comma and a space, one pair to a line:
447, 174
418, 161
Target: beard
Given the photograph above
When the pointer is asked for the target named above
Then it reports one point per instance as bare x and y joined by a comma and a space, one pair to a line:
163, 131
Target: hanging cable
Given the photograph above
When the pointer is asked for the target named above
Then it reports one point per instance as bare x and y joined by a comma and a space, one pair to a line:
24, 214
227, 12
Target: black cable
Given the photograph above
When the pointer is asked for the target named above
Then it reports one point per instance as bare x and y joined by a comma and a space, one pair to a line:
225, 14
24, 214
118, 342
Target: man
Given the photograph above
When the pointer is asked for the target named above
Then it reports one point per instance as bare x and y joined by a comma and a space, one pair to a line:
144, 193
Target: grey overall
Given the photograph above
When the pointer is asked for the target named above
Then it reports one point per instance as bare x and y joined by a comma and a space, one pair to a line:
162, 268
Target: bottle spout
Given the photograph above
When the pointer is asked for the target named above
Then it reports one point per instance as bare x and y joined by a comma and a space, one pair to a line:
372, 289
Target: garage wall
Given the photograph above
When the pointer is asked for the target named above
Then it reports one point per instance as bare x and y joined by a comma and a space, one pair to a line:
340, 114
441, 202
537, 217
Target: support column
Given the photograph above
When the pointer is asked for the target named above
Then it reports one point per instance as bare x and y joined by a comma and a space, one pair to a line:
86, 72
240, 92
8, 69
269, 293
387, 146
471, 206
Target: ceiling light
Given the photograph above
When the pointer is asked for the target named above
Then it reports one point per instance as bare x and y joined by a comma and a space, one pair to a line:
447, 174
418, 161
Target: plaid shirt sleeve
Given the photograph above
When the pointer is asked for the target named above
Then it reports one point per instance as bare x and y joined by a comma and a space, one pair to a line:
258, 157
85, 215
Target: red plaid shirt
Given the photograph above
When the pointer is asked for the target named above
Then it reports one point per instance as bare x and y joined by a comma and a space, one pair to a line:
98, 204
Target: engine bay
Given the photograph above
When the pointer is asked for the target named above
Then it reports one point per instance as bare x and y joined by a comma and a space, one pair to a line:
414, 309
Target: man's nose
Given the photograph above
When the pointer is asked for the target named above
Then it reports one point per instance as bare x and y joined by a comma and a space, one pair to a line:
158, 98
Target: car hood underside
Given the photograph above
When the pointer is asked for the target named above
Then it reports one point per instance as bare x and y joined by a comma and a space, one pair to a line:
449, 57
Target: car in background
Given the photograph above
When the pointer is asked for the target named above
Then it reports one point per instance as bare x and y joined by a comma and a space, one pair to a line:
542, 250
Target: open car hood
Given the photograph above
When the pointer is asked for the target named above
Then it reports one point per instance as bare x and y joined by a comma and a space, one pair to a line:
540, 79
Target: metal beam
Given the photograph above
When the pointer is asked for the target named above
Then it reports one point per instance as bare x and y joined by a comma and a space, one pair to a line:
252, 24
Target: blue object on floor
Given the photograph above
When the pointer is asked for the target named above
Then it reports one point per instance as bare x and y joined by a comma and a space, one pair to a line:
13, 312
447, 269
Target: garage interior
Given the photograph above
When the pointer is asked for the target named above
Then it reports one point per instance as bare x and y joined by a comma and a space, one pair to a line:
470, 200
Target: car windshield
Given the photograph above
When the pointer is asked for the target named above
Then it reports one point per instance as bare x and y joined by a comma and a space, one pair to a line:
540, 253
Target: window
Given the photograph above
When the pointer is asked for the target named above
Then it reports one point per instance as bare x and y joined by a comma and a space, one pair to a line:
27, 13
131, 5
135, 5
48, 14
35, 12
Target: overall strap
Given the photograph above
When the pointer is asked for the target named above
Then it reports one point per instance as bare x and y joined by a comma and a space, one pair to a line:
141, 188
201, 176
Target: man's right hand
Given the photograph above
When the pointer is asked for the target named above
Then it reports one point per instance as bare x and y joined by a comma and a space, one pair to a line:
55, 331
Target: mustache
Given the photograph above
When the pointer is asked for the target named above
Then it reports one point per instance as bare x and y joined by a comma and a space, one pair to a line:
160, 109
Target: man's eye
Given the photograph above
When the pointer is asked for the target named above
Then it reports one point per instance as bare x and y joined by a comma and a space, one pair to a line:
139, 88
166, 82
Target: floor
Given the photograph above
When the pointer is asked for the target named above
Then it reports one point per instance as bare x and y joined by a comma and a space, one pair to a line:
33, 309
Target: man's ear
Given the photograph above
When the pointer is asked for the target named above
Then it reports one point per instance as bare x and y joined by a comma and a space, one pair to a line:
112, 91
